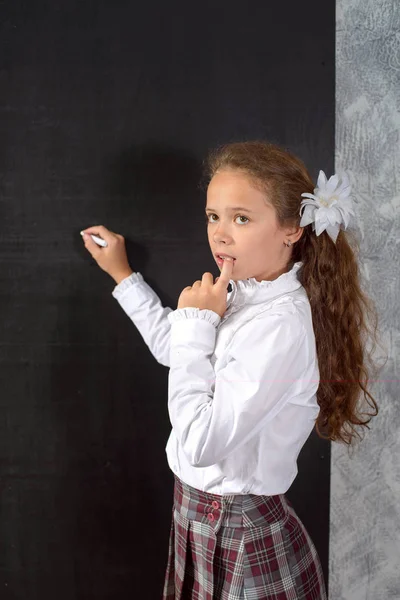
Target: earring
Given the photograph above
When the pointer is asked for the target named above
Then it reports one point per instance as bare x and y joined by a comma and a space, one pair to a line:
288, 244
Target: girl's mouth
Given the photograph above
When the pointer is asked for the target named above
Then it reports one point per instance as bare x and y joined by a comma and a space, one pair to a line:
220, 261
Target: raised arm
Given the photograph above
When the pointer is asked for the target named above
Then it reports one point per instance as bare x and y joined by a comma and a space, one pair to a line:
144, 308
136, 297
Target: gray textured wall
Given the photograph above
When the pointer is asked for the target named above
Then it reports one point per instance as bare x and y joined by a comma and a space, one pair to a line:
365, 493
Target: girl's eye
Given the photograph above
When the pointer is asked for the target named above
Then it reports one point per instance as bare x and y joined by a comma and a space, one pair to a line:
238, 216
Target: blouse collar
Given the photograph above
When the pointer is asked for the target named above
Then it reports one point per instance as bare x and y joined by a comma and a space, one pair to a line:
251, 291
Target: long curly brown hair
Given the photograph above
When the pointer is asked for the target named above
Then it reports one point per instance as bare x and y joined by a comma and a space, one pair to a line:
344, 318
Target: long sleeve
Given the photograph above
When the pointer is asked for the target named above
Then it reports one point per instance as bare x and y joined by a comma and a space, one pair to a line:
213, 414
144, 308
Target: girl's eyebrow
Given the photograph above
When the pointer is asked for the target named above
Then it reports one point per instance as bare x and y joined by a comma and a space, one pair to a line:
232, 208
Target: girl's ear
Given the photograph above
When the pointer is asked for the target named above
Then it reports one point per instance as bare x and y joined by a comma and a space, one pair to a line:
296, 233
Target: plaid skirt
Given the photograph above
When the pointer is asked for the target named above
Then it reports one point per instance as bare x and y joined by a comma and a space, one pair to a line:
237, 547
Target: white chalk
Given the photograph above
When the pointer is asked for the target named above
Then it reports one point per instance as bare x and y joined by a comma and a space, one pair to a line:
99, 241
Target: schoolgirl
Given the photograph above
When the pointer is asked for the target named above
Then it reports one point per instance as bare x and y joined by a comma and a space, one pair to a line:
252, 370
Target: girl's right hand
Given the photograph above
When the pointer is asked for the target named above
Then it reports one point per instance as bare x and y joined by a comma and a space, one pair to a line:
112, 259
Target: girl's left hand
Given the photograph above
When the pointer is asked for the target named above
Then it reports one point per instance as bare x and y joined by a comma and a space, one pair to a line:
206, 294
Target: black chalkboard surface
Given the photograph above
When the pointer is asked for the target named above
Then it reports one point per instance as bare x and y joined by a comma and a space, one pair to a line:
107, 111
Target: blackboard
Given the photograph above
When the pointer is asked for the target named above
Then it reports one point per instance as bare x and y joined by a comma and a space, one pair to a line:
107, 112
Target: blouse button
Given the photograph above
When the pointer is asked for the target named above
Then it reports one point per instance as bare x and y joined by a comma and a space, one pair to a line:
215, 504
210, 516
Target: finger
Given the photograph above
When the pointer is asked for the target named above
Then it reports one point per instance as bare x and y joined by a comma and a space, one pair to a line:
100, 230
92, 247
207, 278
226, 272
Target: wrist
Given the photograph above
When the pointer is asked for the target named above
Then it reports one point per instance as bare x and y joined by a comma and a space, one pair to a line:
122, 275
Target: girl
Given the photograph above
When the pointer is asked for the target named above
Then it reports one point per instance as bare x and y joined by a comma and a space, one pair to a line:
253, 370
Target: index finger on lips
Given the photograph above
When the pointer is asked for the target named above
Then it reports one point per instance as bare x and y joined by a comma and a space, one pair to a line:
225, 274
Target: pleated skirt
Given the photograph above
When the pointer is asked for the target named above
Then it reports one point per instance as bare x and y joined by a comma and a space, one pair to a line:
239, 547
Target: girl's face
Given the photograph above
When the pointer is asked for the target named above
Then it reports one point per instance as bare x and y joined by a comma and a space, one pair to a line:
249, 233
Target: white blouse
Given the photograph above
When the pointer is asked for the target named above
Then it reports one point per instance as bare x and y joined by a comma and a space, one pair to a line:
241, 388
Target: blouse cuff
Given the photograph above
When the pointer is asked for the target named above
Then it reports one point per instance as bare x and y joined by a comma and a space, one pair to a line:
126, 283
191, 312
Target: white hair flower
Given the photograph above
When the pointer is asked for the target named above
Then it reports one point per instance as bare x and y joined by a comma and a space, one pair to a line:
329, 207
